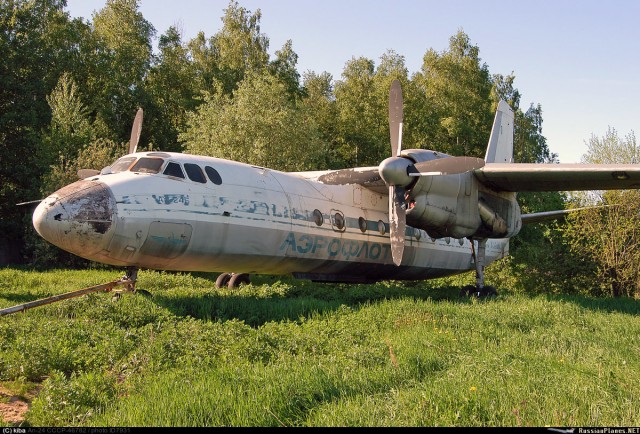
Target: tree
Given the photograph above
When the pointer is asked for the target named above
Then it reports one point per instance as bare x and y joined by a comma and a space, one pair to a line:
239, 47
362, 98
284, 67
458, 87
609, 236
260, 125
70, 126
173, 90
320, 104
357, 109
37, 41
119, 63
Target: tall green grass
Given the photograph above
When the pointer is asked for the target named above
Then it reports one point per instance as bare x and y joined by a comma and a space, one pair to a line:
282, 352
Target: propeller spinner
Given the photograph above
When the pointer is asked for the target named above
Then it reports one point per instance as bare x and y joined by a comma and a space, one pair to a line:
399, 172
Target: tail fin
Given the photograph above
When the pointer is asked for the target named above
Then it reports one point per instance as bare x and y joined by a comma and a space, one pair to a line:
500, 149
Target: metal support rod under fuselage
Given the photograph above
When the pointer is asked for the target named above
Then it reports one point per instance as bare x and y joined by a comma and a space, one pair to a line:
103, 287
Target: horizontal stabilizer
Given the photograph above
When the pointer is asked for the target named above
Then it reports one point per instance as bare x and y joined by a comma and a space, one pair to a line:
518, 177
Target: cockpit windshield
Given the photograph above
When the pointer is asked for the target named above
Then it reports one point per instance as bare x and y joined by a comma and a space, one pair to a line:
148, 165
121, 164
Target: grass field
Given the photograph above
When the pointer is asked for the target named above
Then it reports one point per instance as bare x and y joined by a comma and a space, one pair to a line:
283, 352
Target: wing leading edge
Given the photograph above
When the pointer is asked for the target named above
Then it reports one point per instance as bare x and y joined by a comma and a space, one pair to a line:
517, 177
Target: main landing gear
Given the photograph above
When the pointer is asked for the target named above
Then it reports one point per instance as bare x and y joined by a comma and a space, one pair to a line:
480, 290
232, 280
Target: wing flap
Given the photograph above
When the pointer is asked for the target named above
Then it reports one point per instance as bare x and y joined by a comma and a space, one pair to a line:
517, 177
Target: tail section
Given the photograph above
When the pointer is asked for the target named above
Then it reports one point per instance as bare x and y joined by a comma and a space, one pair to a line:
500, 149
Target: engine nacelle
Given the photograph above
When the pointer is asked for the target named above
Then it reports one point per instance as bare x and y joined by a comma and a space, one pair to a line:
445, 205
458, 205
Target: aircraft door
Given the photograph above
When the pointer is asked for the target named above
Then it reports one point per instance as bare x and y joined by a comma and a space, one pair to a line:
166, 240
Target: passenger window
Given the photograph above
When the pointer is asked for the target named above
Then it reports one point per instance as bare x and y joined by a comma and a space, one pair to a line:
194, 172
173, 169
213, 175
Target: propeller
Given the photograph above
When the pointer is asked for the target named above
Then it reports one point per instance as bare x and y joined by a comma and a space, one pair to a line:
136, 129
397, 205
399, 172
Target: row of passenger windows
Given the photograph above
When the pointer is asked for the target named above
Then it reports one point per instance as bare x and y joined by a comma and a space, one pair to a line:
338, 221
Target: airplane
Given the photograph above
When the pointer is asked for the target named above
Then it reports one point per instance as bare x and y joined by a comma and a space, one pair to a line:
420, 214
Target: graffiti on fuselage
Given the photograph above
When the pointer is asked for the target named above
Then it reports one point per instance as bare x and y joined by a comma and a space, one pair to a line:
319, 246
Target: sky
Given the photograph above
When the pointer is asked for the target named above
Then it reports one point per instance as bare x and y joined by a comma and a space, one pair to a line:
579, 59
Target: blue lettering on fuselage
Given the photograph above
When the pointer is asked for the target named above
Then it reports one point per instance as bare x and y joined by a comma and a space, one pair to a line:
333, 248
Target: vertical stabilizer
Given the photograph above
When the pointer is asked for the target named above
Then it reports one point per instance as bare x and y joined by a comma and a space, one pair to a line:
500, 149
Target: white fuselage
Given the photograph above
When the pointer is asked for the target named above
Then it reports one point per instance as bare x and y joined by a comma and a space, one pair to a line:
255, 220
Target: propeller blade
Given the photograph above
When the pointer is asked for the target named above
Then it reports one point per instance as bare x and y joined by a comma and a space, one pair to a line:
86, 173
446, 166
29, 202
135, 132
397, 222
395, 118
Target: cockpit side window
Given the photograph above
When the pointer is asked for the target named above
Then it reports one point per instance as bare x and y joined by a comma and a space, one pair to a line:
173, 169
148, 165
194, 172
213, 175
122, 164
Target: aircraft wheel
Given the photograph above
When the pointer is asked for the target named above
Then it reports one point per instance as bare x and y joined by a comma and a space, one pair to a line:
143, 292
467, 290
238, 279
223, 280
488, 291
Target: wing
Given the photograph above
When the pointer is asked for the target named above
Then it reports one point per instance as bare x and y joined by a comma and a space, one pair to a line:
518, 177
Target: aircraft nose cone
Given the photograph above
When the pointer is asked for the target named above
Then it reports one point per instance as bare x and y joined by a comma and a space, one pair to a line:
78, 218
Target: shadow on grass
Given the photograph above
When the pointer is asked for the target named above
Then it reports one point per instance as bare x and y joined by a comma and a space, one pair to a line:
624, 305
302, 299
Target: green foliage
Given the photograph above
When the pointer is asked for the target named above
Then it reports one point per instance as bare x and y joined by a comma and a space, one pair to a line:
612, 148
608, 237
121, 60
388, 354
66, 401
459, 87
173, 89
95, 155
362, 98
70, 127
259, 126
34, 41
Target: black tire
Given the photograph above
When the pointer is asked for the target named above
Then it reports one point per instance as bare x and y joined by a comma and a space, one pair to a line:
143, 292
237, 280
489, 291
223, 280
467, 290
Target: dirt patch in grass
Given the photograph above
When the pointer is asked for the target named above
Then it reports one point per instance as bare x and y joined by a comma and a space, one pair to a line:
13, 407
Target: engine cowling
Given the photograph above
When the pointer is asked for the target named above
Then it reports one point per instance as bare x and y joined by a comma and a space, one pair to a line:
458, 205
